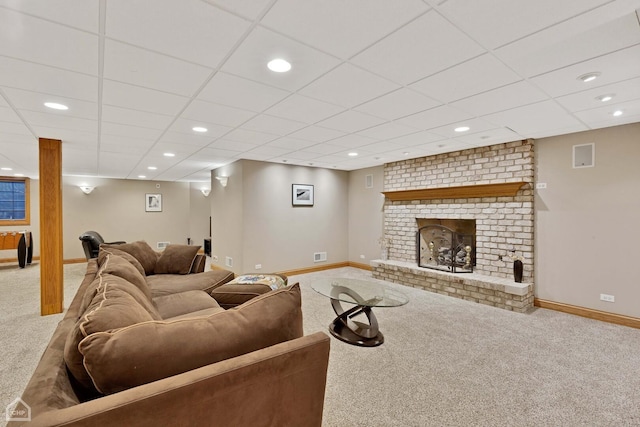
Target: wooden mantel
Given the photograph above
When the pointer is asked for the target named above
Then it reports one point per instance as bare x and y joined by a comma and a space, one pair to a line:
461, 192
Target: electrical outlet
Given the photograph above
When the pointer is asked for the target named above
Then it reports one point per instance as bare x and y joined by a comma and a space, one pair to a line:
228, 261
541, 185
214, 257
607, 298
258, 266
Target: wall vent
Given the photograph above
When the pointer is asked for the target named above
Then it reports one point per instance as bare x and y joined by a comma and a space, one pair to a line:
228, 261
319, 256
368, 181
584, 156
162, 245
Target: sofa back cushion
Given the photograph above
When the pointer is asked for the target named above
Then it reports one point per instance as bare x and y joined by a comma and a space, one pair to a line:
106, 250
141, 251
176, 259
145, 352
116, 303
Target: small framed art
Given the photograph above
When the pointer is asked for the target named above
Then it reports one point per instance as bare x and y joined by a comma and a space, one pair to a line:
302, 195
153, 202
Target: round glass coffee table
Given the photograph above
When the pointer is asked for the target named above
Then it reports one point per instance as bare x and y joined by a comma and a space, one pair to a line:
364, 295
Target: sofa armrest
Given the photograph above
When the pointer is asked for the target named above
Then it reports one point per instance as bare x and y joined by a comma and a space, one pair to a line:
279, 385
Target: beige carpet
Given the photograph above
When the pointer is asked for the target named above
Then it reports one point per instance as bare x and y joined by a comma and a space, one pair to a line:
445, 362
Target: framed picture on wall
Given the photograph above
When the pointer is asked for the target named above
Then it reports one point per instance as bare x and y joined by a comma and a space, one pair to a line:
153, 202
302, 195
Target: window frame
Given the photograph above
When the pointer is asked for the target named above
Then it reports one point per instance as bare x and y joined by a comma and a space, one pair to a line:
27, 203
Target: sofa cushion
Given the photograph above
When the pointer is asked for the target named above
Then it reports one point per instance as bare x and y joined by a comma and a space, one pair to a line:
200, 313
106, 250
141, 251
183, 302
245, 287
165, 284
119, 266
145, 352
115, 303
176, 259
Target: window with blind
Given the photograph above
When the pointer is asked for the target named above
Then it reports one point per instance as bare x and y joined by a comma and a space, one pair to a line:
14, 201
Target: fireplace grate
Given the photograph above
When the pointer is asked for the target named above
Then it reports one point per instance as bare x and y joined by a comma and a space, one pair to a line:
441, 248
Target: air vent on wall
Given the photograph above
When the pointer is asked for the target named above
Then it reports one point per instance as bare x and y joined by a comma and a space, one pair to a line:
368, 181
584, 156
319, 256
162, 245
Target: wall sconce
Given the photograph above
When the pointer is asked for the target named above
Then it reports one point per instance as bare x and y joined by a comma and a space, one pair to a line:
205, 191
223, 180
86, 189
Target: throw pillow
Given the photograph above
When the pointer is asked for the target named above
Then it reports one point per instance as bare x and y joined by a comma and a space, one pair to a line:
139, 250
146, 352
118, 266
176, 259
106, 250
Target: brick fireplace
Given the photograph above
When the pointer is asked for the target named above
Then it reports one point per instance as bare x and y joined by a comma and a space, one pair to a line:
489, 185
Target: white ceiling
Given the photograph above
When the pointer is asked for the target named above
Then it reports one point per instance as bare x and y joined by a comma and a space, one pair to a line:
387, 79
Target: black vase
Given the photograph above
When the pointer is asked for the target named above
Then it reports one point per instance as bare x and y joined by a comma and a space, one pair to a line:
517, 271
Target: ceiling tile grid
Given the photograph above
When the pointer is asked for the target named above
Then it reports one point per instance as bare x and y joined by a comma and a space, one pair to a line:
379, 80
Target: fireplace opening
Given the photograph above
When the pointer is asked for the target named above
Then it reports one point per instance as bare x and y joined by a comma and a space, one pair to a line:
446, 244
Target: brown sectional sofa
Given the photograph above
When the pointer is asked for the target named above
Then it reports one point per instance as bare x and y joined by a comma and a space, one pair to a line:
145, 343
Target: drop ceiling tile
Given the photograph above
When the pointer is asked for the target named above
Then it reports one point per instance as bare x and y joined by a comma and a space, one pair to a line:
273, 125
475, 126
387, 131
116, 164
25, 75
352, 141
236, 146
290, 143
323, 149
351, 121
58, 121
136, 132
503, 21
627, 90
250, 136
186, 139
384, 146
261, 46
215, 113
267, 151
238, 92
34, 102
138, 98
75, 13
466, 79
213, 155
186, 126
435, 117
300, 155
603, 117
489, 137
124, 144
530, 59
304, 109
417, 138
9, 115
399, 103
190, 29
141, 67
250, 9
127, 116
44, 42
614, 67
500, 99
342, 33
348, 86
317, 134
425, 46
14, 128
543, 118
71, 138
446, 146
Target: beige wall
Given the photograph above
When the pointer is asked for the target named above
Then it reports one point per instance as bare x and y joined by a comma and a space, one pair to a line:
587, 230
365, 215
116, 210
255, 223
33, 227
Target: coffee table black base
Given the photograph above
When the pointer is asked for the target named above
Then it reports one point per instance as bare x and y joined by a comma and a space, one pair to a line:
343, 333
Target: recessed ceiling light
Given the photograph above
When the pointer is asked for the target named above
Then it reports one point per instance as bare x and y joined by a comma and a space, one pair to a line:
589, 77
18, 174
406, 153
152, 168
169, 155
56, 106
605, 98
199, 129
462, 129
142, 176
617, 113
352, 154
279, 65
7, 169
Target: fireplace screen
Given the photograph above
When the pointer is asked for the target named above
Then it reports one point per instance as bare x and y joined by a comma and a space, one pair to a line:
443, 249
